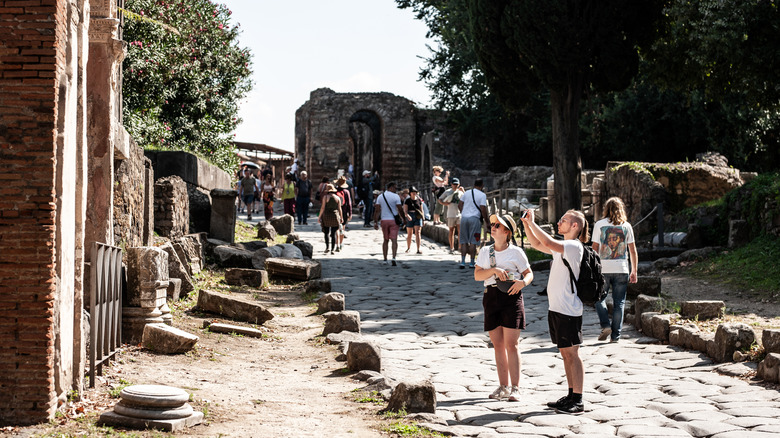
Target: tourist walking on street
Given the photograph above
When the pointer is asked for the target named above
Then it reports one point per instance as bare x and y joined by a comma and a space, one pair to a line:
473, 211
342, 191
439, 185
387, 206
450, 199
303, 198
248, 190
330, 217
321, 189
268, 197
288, 195
504, 270
413, 213
565, 308
365, 193
613, 241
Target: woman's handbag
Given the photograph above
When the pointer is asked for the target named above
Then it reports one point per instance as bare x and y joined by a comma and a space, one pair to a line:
503, 286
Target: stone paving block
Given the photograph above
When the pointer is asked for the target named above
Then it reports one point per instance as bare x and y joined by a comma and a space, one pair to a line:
750, 422
672, 409
636, 430
706, 428
745, 434
753, 412
702, 416
549, 418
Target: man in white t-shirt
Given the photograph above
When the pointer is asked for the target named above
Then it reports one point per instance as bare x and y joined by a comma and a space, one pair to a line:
613, 241
473, 212
450, 200
386, 206
565, 308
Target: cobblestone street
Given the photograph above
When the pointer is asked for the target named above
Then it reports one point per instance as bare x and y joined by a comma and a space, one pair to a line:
426, 315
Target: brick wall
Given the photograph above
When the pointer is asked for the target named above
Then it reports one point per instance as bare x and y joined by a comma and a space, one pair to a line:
32, 36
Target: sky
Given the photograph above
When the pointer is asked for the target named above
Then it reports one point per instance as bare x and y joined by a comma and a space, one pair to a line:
301, 45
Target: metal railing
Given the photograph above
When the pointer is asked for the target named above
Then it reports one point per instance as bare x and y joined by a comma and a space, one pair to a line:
105, 307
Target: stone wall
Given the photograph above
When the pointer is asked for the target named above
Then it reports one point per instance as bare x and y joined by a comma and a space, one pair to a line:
171, 207
42, 158
642, 186
374, 131
133, 200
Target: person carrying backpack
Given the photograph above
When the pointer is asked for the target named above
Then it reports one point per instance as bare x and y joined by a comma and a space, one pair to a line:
613, 241
565, 307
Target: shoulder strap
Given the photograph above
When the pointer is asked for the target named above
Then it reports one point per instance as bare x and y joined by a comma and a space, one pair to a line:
388, 204
571, 273
475, 205
492, 256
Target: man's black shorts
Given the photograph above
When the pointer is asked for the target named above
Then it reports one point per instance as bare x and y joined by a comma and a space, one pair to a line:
565, 330
502, 309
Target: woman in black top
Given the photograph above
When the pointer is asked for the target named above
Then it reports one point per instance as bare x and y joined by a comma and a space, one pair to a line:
413, 211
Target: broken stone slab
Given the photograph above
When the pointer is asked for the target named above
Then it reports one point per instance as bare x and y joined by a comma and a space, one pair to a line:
770, 338
342, 337
231, 257
174, 289
365, 375
189, 252
649, 285
217, 327
283, 225
413, 397
113, 419
769, 368
660, 324
331, 302
246, 277
147, 271
290, 251
702, 309
233, 307
647, 322
251, 246
315, 286
665, 263
730, 338
698, 254
265, 231
165, 339
645, 303
307, 249
345, 321
293, 269
293, 237
210, 244
364, 355
176, 268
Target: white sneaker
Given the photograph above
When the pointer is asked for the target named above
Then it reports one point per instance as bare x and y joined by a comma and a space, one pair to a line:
605, 332
514, 394
500, 393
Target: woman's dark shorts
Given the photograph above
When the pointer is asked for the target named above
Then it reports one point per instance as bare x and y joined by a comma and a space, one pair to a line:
565, 330
503, 309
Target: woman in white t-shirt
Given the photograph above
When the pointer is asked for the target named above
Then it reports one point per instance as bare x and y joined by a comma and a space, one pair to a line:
613, 241
504, 270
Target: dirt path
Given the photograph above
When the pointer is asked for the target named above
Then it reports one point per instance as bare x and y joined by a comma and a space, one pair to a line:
287, 384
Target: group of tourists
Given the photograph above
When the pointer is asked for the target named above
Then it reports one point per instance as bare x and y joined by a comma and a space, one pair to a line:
257, 189
504, 270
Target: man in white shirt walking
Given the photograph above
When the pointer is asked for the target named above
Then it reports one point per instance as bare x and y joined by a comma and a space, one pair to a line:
386, 206
473, 212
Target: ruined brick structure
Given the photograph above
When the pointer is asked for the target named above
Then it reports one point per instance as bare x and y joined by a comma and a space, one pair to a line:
378, 132
60, 141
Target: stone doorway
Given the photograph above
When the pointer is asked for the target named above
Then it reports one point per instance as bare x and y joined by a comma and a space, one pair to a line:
365, 130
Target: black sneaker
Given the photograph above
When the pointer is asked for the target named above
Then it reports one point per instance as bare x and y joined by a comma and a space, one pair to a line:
393, 262
571, 407
558, 403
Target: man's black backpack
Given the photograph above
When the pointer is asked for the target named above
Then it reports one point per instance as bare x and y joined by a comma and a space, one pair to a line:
590, 285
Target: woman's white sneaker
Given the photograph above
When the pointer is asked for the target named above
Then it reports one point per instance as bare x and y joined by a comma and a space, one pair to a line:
500, 393
514, 394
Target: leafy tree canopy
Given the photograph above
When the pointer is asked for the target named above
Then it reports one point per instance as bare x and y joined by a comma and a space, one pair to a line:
184, 75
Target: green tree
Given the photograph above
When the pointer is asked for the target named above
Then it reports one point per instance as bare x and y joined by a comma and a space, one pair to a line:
184, 75
567, 47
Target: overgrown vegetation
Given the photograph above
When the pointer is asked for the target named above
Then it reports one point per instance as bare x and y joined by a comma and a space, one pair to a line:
407, 429
751, 268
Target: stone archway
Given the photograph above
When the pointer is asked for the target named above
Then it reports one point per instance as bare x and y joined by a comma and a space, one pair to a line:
365, 130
